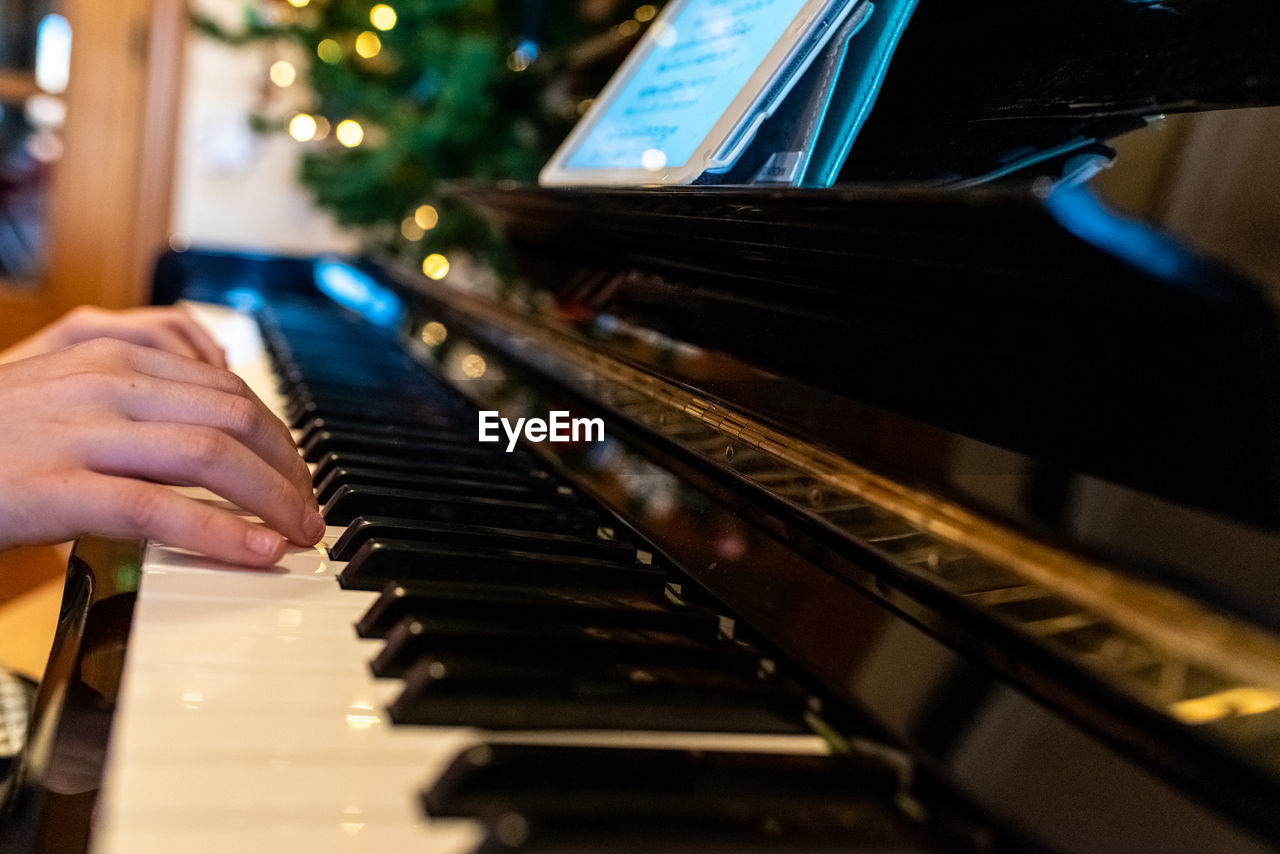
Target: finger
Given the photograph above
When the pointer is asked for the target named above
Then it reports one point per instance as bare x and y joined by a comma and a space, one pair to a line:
198, 337
163, 365
121, 328
158, 337
122, 507
245, 419
203, 456
166, 366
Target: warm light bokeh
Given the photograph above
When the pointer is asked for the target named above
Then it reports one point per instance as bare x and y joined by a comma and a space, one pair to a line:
426, 217
368, 45
435, 266
302, 127
382, 16
283, 73
349, 133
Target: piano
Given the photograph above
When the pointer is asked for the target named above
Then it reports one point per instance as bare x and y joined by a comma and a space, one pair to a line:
925, 516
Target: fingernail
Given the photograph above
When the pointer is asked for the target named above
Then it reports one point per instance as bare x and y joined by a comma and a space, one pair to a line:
262, 542
313, 525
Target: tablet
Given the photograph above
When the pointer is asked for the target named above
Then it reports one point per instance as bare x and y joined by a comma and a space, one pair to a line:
695, 89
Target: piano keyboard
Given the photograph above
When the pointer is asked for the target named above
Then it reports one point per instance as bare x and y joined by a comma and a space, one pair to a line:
470, 660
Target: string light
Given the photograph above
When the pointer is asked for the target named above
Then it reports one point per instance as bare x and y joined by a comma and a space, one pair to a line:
435, 266
302, 127
329, 51
473, 365
628, 28
349, 133
382, 16
434, 333
410, 230
368, 44
646, 13
282, 73
298, 4
426, 217
322, 127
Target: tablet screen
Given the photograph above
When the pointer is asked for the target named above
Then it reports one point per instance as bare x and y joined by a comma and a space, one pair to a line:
698, 63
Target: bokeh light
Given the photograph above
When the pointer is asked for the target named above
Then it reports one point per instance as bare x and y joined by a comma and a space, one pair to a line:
382, 16
283, 73
349, 133
302, 127
435, 266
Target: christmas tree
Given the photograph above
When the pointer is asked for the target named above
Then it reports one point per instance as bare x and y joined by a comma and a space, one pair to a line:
410, 94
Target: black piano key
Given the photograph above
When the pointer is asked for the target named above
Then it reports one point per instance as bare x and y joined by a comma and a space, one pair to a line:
492, 779
532, 477
338, 349
540, 798
350, 502
342, 358
445, 433
386, 384
451, 484
535, 605
380, 561
326, 441
348, 360
354, 379
413, 639
356, 397
405, 410
528, 693
367, 528
870, 827
440, 428
297, 413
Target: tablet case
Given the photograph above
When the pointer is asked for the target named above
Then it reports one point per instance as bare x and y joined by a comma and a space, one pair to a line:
806, 140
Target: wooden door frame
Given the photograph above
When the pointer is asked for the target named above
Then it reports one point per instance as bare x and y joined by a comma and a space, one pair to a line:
110, 196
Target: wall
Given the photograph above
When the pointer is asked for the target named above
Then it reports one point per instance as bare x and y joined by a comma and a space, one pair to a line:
234, 188
1213, 180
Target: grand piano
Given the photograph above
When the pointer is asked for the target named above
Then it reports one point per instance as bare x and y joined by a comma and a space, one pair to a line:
929, 514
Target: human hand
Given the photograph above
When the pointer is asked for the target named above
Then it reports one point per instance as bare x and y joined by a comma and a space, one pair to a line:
168, 328
89, 433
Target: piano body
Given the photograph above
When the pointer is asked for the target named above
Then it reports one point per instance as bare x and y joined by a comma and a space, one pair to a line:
924, 518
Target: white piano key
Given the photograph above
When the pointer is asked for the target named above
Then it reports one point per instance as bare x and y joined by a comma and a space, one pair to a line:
306, 834
314, 615
286, 784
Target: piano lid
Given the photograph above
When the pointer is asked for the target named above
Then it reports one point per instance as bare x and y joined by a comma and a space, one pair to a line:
1010, 59
975, 86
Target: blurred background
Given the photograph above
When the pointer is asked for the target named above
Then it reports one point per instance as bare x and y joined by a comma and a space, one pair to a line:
302, 126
